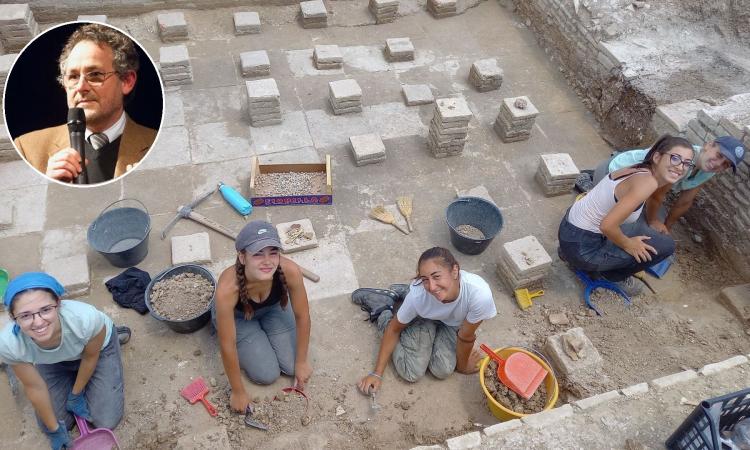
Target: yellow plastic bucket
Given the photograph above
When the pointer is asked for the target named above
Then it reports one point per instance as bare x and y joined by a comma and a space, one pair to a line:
500, 411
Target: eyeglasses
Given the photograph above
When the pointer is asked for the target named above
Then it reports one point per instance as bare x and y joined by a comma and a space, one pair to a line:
94, 78
45, 313
676, 160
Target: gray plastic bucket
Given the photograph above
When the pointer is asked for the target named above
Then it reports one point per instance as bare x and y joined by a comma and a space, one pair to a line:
191, 324
478, 213
120, 233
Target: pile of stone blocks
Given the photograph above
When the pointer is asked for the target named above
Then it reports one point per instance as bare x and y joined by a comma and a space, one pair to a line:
314, 14
442, 8
6, 62
345, 96
263, 102
7, 152
174, 65
516, 119
193, 249
327, 57
297, 235
449, 127
384, 10
101, 18
246, 22
17, 26
172, 27
417, 94
673, 118
486, 75
556, 174
577, 363
367, 149
523, 262
399, 49
255, 64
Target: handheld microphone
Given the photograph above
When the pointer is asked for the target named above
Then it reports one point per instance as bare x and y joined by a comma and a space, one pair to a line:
77, 130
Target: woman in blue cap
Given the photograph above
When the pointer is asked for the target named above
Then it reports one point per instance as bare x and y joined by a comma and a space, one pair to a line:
258, 331
66, 354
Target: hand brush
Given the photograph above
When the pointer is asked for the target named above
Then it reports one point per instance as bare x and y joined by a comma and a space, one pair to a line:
380, 213
404, 205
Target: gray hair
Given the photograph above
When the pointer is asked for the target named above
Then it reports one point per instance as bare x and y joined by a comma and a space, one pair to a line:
125, 55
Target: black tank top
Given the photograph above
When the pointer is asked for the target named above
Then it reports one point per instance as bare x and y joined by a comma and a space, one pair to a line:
273, 297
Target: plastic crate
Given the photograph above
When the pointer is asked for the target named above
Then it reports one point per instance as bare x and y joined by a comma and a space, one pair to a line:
702, 427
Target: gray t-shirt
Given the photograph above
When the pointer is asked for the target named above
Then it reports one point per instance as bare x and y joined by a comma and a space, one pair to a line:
80, 323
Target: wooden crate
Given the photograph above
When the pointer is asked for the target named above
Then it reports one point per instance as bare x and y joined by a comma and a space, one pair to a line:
325, 198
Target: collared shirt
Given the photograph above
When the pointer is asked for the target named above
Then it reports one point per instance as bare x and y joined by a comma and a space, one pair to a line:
689, 181
112, 132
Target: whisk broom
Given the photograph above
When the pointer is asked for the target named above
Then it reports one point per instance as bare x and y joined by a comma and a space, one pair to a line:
404, 205
381, 214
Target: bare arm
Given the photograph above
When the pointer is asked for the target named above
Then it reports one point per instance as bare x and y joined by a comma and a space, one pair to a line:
37, 393
89, 359
226, 299
387, 344
681, 206
653, 204
301, 309
465, 363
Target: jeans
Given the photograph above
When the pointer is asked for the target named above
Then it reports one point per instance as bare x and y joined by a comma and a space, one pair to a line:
424, 344
593, 252
105, 395
267, 343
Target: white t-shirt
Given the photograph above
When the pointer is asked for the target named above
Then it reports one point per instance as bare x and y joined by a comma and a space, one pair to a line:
80, 323
474, 303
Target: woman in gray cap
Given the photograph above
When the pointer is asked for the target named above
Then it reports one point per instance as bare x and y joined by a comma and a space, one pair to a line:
258, 331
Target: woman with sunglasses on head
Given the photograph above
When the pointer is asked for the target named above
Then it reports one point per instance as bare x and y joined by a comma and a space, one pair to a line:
258, 330
592, 236
434, 328
66, 353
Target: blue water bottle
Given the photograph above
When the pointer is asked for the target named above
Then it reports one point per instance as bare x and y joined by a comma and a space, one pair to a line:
235, 199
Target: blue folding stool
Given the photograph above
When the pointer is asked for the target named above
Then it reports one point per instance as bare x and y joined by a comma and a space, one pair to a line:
590, 285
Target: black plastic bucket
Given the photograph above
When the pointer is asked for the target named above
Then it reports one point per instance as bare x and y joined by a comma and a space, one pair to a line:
191, 324
478, 213
120, 233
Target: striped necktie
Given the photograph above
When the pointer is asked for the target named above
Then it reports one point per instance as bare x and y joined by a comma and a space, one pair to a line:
98, 140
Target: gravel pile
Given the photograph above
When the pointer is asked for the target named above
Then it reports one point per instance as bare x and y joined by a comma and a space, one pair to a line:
181, 297
290, 183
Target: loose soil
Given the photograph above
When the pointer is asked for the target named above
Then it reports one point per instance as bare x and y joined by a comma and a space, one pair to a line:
290, 183
510, 399
470, 232
181, 297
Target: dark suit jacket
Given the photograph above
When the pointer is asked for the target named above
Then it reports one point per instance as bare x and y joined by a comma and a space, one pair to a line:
37, 146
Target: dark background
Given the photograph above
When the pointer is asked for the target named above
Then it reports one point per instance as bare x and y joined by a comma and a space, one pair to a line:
35, 100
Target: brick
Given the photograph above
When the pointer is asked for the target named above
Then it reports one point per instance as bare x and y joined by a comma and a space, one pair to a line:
711, 369
300, 243
72, 272
246, 22
630, 391
453, 109
367, 148
589, 358
549, 417
671, 380
417, 94
192, 248
595, 400
342, 90
677, 115
255, 63
172, 26
737, 300
502, 427
465, 442
174, 55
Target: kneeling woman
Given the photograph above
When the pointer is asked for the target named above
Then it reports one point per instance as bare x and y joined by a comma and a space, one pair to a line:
258, 331
590, 234
66, 354
434, 327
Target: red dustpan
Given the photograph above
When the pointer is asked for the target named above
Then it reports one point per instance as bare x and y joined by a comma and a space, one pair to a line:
96, 439
197, 390
519, 372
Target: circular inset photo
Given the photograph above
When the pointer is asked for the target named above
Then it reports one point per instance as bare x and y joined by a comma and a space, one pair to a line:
83, 103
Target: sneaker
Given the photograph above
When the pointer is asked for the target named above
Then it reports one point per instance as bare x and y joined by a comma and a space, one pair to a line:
374, 301
123, 335
631, 286
401, 290
584, 182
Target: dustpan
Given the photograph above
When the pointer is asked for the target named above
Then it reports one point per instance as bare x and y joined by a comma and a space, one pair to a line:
519, 372
659, 269
96, 439
197, 390
523, 297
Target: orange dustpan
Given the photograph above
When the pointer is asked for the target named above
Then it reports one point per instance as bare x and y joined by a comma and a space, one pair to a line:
519, 372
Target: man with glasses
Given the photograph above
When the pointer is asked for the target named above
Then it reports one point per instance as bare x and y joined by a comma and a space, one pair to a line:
714, 157
98, 71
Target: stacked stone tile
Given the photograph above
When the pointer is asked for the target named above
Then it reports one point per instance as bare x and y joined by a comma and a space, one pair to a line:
515, 120
417, 94
485, 75
263, 102
523, 262
246, 23
442, 8
7, 152
384, 10
367, 149
327, 57
101, 18
17, 26
556, 174
345, 96
174, 64
399, 49
255, 64
449, 127
314, 14
6, 62
172, 27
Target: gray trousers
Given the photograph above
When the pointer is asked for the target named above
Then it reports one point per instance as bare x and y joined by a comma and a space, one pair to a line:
104, 392
424, 344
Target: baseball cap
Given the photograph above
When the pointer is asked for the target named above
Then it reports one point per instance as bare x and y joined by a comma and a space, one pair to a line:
732, 149
256, 236
31, 280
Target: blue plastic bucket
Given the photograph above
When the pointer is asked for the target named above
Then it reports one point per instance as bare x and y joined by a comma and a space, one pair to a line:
478, 213
120, 233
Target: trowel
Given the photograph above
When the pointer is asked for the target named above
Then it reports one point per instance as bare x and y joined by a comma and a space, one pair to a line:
250, 422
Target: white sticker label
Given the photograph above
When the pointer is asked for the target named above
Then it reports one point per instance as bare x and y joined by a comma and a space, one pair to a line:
262, 230
738, 152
